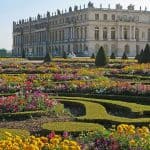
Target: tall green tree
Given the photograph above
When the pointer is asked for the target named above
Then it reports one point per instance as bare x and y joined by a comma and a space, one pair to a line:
23, 54
101, 58
140, 56
47, 58
64, 55
124, 56
146, 54
112, 56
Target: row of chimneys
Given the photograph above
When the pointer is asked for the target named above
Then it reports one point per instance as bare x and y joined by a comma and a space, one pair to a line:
90, 5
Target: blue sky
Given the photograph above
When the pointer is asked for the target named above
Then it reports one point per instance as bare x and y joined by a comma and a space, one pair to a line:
13, 10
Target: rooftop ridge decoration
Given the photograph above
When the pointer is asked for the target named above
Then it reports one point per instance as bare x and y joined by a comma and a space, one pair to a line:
90, 5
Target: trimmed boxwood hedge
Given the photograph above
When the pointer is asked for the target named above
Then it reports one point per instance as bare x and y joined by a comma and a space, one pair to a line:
99, 114
22, 133
22, 115
130, 99
71, 127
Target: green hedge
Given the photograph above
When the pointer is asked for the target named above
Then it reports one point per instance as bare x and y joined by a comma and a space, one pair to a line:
95, 112
129, 99
22, 115
22, 133
71, 127
128, 76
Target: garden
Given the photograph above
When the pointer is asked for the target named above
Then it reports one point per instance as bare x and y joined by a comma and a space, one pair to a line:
71, 104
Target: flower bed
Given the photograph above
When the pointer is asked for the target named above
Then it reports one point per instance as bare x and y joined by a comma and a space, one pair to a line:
122, 137
27, 102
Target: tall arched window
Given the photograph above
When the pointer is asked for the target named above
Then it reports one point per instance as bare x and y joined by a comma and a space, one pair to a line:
127, 49
113, 33
106, 49
125, 33
114, 49
149, 35
105, 33
137, 34
137, 49
97, 48
96, 33
80, 47
105, 16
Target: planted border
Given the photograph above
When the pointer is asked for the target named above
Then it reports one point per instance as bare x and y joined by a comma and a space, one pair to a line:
99, 114
13, 132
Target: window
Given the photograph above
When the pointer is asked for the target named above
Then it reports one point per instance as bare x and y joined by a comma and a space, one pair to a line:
114, 49
77, 33
127, 49
137, 34
80, 47
105, 16
113, 33
85, 32
59, 35
81, 17
96, 16
143, 35
137, 49
149, 35
106, 49
113, 17
85, 16
125, 33
96, 33
55, 35
105, 33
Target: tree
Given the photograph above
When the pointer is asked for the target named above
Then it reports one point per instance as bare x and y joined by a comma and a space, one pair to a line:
93, 56
124, 56
47, 58
64, 55
137, 56
23, 54
112, 56
146, 54
101, 59
141, 56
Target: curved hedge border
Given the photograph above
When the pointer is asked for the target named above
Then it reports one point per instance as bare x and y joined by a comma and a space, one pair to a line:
22, 115
72, 127
22, 133
128, 76
99, 114
130, 99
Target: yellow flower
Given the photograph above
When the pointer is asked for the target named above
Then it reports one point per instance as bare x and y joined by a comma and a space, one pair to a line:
8, 134
132, 142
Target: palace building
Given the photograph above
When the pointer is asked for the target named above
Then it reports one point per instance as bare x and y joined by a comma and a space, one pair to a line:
83, 31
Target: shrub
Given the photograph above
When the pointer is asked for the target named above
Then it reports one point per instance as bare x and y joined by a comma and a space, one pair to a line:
23, 54
47, 58
112, 56
93, 56
141, 56
124, 56
145, 55
101, 59
64, 55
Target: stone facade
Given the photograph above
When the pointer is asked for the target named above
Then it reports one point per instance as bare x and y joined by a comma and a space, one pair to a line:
83, 31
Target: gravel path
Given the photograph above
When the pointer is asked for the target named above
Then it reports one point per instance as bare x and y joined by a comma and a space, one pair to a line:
32, 125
